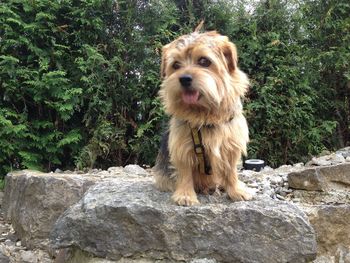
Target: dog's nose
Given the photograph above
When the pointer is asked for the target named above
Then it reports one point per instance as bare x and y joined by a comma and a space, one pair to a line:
186, 80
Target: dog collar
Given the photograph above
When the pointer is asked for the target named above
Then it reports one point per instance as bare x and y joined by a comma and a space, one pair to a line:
204, 166
212, 125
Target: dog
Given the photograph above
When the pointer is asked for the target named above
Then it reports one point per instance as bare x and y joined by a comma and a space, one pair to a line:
201, 91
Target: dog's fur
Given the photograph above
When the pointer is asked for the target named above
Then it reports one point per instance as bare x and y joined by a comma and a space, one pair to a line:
212, 103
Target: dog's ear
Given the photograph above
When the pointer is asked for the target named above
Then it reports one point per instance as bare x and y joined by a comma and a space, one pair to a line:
199, 27
163, 62
230, 53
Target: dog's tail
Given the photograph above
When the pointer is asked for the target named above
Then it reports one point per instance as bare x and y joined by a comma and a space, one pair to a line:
164, 172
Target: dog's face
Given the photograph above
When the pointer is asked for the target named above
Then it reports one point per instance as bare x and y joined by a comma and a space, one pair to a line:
202, 83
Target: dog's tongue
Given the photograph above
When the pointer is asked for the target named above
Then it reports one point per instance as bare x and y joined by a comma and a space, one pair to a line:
190, 97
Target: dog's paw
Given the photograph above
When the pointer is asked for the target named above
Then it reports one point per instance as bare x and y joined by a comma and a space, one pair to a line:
185, 198
239, 193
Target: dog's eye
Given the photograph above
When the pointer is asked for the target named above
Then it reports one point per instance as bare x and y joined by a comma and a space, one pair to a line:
204, 62
176, 65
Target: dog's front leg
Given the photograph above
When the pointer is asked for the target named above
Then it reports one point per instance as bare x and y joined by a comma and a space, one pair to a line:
184, 193
235, 188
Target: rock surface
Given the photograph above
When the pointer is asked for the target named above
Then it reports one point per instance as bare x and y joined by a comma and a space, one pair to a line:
332, 225
328, 211
125, 218
12, 250
33, 201
322, 178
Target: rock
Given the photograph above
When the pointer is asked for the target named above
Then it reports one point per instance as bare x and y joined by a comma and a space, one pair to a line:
203, 260
134, 169
319, 162
341, 256
103, 174
32, 256
337, 158
131, 219
253, 185
4, 259
33, 201
28, 257
332, 227
267, 169
115, 170
345, 152
78, 256
334, 158
8, 242
327, 207
276, 180
280, 197
249, 176
321, 178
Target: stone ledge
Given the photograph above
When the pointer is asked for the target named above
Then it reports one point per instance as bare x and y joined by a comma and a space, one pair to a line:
33, 207
33, 200
128, 218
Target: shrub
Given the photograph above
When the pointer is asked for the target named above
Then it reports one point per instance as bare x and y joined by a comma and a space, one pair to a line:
79, 79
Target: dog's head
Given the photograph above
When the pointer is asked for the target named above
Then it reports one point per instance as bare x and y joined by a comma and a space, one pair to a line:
202, 83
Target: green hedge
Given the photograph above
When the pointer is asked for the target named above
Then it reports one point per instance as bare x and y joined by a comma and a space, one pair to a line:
79, 79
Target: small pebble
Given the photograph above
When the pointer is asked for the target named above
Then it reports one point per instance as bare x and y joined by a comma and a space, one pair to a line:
284, 177
8, 242
267, 169
276, 180
298, 165
282, 193
280, 197
253, 185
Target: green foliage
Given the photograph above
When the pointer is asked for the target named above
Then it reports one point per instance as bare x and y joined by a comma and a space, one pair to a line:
285, 125
79, 79
2, 183
329, 58
39, 97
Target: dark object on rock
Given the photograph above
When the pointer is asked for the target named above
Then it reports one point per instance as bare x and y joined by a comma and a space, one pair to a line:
254, 164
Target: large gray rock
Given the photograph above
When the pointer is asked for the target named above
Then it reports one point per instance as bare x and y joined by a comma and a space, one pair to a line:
33, 201
131, 219
322, 178
332, 227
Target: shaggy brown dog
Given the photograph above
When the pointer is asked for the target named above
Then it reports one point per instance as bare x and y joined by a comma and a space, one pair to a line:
201, 91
